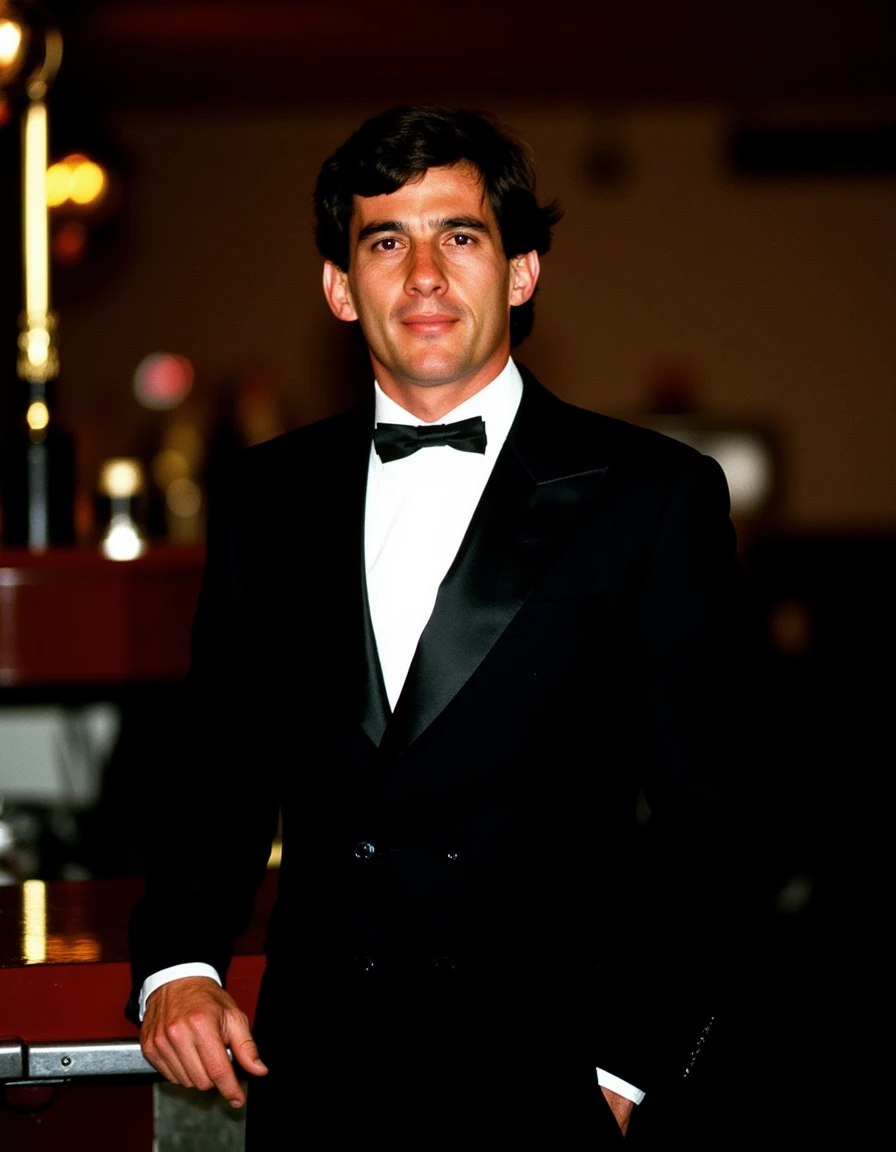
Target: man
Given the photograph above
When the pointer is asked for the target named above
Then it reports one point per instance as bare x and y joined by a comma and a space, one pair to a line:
454, 659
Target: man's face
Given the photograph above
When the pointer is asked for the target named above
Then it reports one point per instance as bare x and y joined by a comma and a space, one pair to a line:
430, 283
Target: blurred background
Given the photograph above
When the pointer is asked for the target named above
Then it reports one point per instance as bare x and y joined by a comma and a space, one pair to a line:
725, 271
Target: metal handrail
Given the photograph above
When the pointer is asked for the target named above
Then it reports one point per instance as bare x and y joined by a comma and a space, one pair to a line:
21, 1062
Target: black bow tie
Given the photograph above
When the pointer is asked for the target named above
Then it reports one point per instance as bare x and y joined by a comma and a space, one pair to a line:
393, 441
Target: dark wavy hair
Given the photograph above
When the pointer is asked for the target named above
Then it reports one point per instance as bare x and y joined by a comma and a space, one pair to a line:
390, 149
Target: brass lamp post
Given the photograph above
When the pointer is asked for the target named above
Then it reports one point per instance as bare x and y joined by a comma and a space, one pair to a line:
21, 38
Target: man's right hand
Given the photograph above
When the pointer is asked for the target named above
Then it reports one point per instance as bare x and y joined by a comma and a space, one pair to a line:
188, 1026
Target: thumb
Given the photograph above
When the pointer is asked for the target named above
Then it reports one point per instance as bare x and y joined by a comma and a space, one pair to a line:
244, 1048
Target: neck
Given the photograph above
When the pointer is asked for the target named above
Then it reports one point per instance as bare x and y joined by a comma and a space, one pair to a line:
430, 402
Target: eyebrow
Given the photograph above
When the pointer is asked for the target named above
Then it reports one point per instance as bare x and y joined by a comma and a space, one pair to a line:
468, 223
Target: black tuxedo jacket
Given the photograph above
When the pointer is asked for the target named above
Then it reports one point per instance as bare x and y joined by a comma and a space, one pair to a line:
514, 876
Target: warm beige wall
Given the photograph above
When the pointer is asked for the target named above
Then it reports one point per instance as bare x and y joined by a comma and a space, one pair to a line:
778, 297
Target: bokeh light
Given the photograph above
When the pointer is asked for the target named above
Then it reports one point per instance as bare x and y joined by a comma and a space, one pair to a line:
88, 182
122, 477
13, 43
169, 465
37, 416
183, 497
163, 380
70, 243
122, 540
57, 184
76, 180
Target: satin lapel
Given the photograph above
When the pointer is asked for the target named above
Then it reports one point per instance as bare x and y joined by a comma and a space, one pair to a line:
529, 510
342, 480
375, 711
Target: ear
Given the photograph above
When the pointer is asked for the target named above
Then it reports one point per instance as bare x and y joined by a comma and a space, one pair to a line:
338, 293
524, 270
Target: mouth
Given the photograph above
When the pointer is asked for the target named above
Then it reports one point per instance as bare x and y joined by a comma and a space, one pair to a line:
429, 323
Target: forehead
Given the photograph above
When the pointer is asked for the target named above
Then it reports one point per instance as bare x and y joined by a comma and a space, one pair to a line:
437, 195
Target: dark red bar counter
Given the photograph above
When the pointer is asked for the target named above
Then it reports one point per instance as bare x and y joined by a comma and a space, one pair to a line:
74, 617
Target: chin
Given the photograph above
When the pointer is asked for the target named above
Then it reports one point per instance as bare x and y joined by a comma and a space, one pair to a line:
434, 373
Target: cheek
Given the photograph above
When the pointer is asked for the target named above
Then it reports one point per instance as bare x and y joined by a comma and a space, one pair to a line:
494, 302
369, 294
369, 313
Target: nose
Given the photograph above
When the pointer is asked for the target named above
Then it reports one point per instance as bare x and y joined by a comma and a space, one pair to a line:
426, 276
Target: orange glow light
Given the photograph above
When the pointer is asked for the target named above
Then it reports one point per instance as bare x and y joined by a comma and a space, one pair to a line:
58, 177
77, 180
88, 183
12, 49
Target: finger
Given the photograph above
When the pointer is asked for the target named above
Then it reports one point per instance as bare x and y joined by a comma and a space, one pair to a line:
179, 1049
190, 1045
161, 1065
195, 1047
152, 1045
220, 1074
209, 1062
165, 1060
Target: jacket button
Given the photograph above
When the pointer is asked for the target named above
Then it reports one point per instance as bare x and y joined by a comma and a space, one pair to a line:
364, 850
443, 964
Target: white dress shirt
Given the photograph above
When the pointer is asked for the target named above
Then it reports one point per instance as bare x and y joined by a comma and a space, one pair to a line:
417, 512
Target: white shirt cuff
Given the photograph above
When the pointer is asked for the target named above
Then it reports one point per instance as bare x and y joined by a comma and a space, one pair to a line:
175, 972
620, 1087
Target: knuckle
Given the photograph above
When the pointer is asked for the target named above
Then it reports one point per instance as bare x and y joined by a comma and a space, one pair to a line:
174, 1031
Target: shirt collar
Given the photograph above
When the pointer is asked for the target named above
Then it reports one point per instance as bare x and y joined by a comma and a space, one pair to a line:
496, 403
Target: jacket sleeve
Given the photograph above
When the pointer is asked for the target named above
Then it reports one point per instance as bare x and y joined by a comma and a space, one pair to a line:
660, 1002
214, 802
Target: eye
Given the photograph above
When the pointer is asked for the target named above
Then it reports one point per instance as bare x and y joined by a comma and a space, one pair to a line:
386, 244
463, 239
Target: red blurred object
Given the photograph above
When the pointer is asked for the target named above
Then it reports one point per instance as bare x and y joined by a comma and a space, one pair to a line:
75, 617
163, 380
69, 243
